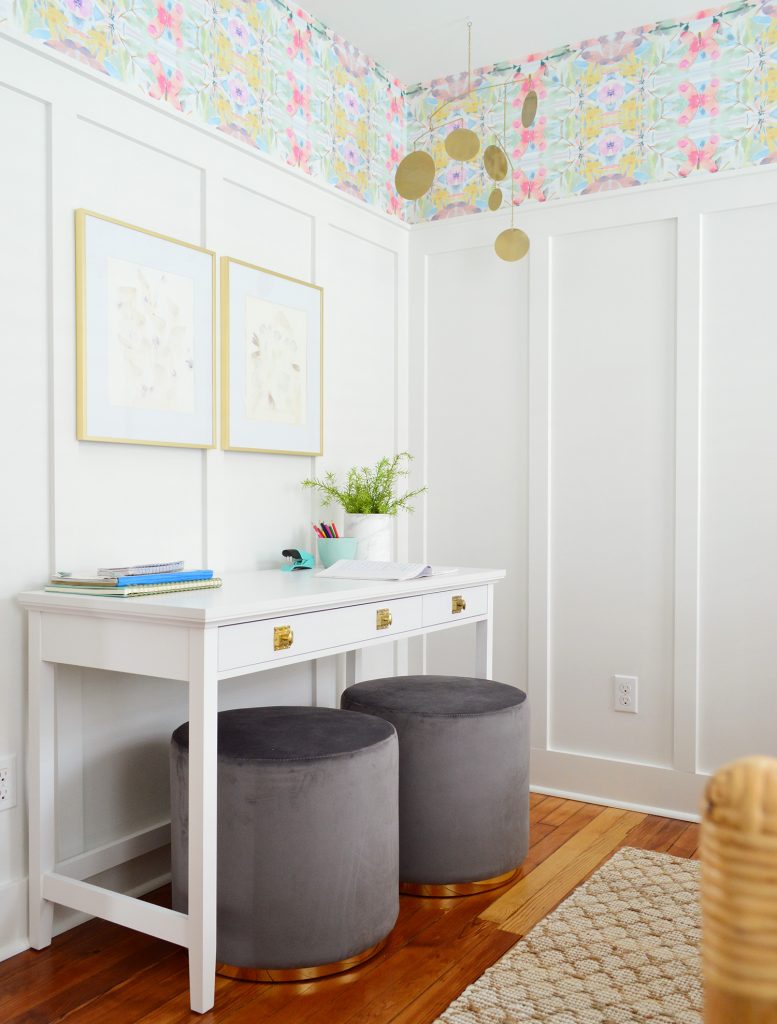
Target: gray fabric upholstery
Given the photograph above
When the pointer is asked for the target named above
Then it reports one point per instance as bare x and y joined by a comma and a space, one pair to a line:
307, 834
463, 773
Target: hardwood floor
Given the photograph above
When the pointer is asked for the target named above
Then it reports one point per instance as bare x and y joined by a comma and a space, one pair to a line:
102, 974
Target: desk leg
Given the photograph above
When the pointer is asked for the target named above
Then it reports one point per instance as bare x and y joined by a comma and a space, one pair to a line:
203, 710
325, 683
352, 667
41, 784
484, 641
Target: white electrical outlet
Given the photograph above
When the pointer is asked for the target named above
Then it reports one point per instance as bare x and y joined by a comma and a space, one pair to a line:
7, 782
624, 694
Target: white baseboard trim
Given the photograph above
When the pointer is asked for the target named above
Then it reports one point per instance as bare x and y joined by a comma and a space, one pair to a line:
642, 808
13, 918
636, 787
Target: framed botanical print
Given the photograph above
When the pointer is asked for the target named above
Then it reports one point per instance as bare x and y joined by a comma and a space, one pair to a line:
145, 329
271, 369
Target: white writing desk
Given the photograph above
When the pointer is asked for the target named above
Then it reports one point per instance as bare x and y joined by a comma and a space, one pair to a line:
256, 621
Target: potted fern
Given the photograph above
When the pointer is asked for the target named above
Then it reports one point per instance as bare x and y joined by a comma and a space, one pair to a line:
370, 501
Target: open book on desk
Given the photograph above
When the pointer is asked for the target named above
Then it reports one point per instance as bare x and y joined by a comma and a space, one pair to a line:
348, 569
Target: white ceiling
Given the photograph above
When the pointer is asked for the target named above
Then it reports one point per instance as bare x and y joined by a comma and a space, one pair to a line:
417, 40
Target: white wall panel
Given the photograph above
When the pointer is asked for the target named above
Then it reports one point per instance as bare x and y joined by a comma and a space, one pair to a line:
24, 423
477, 458
360, 282
131, 179
268, 234
119, 504
588, 321
738, 598
81, 144
612, 489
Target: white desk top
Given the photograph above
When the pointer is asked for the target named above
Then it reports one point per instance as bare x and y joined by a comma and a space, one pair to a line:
254, 595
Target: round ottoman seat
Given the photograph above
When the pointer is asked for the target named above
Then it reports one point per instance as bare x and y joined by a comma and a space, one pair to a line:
463, 778
307, 839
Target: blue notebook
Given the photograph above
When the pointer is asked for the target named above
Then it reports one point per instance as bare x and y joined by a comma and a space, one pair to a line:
164, 577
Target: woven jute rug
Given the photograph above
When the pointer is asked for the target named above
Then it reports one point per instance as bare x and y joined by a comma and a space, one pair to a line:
622, 949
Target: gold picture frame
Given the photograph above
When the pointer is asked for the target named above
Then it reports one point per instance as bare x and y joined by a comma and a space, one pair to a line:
109, 254
296, 298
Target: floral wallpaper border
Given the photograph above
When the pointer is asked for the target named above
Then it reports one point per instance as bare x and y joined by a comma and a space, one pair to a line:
688, 96
664, 101
262, 71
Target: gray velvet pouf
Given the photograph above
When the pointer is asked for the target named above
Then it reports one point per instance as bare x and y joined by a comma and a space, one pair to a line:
463, 778
307, 839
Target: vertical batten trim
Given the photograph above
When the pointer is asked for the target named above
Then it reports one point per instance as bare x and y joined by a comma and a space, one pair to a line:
212, 459
400, 435
51, 393
540, 444
687, 490
402, 315
204, 461
61, 240
425, 275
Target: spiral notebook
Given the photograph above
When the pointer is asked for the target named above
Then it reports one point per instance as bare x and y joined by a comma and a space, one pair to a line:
135, 589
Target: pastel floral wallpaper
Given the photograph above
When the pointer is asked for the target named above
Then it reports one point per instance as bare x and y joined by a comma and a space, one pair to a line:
262, 71
689, 96
664, 101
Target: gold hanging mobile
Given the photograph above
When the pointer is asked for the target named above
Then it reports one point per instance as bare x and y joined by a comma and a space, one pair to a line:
512, 244
416, 172
463, 143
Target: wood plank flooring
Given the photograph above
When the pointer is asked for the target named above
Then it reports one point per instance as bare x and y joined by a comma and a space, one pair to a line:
102, 974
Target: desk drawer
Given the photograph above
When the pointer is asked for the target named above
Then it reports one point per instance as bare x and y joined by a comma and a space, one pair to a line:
455, 605
270, 640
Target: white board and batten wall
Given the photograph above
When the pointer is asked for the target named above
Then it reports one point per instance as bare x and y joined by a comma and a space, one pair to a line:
70, 139
604, 414
599, 419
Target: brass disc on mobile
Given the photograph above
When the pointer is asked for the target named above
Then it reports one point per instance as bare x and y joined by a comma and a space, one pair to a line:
495, 199
512, 244
495, 163
415, 175
462, 144
529, 109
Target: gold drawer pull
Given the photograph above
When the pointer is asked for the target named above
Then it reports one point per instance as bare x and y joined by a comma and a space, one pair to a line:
282, 638
383, 618
458, 604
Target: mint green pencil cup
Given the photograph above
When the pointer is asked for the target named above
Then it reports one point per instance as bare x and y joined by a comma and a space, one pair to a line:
330, 549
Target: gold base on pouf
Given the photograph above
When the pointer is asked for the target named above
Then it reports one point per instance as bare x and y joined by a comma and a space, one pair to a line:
273, 974
456, 888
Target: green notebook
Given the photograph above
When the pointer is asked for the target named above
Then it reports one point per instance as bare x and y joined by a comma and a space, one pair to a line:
135, 589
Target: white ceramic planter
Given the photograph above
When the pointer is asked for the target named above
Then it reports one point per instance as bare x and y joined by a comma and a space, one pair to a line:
375, 536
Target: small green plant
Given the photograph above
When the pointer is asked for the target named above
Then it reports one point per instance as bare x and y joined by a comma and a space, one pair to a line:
369, 490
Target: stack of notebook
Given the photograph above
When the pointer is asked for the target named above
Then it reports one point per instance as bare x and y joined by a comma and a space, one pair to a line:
135, 581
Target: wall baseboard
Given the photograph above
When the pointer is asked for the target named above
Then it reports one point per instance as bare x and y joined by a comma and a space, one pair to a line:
636, 787
13, 918
585, 798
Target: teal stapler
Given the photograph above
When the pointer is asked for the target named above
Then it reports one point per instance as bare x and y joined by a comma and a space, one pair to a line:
297, 560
